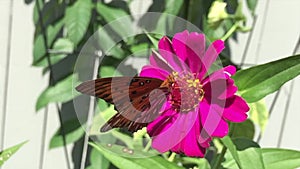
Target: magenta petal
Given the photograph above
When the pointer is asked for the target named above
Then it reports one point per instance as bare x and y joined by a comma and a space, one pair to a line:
154, 72
230, 90
212, 120
210, 56
218, 45
157, 61
195, 48
167, 52
189, 145
235, 109
173, 131
179, 41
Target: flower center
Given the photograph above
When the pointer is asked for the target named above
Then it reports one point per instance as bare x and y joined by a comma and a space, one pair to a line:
185, 92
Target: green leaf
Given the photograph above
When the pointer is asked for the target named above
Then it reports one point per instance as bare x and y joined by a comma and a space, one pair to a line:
39, 50
259, 114
166, 20
258, 81
153, 40
123, 160
118, 18
73, 131
63, 91
281, 158
7, 153
77, 19
252, 5
109, 71
249, 155
62, 47
124, 138
245, 129
98, 161
173, 6
231, 147
100, 119
108, 45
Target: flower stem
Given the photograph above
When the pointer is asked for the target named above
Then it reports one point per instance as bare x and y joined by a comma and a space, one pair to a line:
148, 145
172, 157
230, 31
220, 158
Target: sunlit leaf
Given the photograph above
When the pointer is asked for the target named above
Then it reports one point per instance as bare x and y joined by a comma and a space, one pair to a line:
249, 155
123, 160
275, 158
109, 71
108, 45
73, 131
98, 161
256, 82
61, 48
77, 19
118, 17
100, 118
39, 50
259, 114
63, 91
7, 153
232, 149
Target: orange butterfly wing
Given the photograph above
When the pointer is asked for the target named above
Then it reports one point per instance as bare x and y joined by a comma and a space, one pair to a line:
135, 99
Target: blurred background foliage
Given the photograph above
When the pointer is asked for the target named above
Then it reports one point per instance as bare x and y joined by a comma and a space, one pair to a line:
62, 27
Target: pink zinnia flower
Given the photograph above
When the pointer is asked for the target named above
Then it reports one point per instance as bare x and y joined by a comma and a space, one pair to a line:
198, 105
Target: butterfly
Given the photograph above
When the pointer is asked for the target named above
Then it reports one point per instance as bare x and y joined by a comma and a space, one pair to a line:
137, 100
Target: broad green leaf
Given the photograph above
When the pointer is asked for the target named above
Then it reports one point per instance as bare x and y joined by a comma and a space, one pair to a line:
77, 19
50, 10
256, 82
102, 105
62, 47
245, 129
98, 161
153, 40
172, 8
281, 158
63, 91
123, 160
124, 138
73, 131
231, 147
109, 71
201, 162
108, 45
249, 154
140, 50
259, 114
252, 5
39, 50
100, 119
118, 18
7, 153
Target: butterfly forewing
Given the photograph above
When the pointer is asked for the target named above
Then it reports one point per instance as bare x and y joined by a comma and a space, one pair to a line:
131, 97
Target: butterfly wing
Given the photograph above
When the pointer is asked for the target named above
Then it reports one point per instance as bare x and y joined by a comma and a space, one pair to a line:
131, 97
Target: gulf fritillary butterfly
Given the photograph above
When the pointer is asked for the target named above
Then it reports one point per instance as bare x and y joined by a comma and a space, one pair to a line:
137, 100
